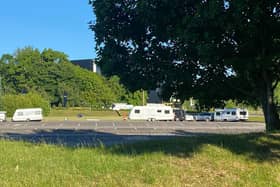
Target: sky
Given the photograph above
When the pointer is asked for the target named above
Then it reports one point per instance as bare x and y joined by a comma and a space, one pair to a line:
57, 24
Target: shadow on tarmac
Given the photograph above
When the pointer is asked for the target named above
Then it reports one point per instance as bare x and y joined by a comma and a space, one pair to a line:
258, 146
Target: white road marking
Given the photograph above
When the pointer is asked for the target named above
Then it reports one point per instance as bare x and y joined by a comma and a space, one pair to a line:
77, 127
181, 124
60, 125
17, 125
114, 125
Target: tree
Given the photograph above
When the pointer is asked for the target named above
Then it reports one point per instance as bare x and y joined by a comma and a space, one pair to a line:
52, 75
249, 44
31, 100
211, 50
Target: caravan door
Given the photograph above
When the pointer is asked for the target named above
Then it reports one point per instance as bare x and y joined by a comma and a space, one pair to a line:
218, 115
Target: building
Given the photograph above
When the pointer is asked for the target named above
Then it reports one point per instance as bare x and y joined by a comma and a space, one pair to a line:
88, 64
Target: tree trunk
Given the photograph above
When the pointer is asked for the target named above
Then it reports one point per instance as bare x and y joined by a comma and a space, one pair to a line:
269, 107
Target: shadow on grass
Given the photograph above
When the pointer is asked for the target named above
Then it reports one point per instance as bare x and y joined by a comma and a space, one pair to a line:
258, 146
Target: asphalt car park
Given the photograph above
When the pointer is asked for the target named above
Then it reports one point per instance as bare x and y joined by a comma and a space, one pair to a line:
112, 132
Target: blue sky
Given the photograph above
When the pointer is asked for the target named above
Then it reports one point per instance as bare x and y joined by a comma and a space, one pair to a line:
57, 24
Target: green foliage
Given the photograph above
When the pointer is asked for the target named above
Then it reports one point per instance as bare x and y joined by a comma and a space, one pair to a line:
52, 75
31, 100
136, 98
187, 105
118, 89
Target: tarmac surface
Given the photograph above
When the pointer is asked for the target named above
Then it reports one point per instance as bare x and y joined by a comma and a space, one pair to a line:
94, 133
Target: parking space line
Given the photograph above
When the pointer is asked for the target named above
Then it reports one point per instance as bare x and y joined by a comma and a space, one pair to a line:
181, 124
114, 125
95, 126
60, 125
18, 125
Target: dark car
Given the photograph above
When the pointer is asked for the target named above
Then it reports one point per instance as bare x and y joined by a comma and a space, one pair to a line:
179, 115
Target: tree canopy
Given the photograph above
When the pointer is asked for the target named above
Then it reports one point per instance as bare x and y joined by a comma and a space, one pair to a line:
210, 50
52, 75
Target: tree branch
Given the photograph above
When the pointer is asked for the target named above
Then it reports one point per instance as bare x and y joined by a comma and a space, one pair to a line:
275, 84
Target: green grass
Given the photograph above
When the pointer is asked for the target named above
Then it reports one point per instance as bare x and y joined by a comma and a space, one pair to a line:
256, 118
72, 114
223, 160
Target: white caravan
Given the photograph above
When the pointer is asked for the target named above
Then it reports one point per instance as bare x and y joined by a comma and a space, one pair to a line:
231, 114
151, 112
3, 116
28, 114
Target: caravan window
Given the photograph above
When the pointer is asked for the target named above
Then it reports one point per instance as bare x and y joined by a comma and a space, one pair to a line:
20, 113
243, 113
218, 113
37, 112
137, 111
233, 113
167, 112
228, 112
159, 111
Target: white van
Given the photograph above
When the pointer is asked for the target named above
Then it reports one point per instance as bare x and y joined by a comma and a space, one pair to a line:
231, 114
28, 114
3, 116
152, 112
121, 106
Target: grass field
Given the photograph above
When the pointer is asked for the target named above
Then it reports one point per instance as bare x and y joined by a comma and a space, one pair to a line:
256, 119
223, 160
87, 114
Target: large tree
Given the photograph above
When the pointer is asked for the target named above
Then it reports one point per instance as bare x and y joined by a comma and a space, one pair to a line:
52, 75
213, 50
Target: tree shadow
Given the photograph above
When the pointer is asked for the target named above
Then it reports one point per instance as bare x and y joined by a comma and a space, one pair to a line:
257, 146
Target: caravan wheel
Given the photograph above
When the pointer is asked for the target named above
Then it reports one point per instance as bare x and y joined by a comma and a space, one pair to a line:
151, 119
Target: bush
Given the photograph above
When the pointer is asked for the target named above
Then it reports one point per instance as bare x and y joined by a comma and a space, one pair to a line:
31, 100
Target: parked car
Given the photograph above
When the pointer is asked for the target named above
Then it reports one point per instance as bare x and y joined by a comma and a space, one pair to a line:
179, 114
189, 116
204, 116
